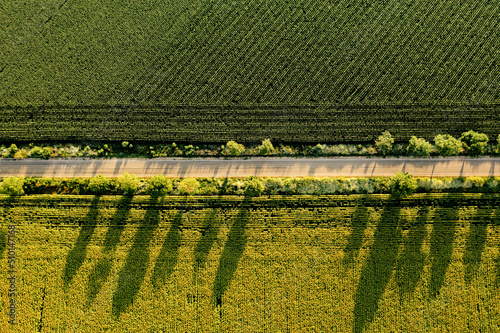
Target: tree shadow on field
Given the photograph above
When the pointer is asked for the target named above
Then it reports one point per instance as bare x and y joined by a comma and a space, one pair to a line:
378, 268
77, 254
99, 274
7, 204
411, 262
359, 223
3, 242
132, 274
476, 241
442, 236
4, 239
233, 250
167, 259
209, 234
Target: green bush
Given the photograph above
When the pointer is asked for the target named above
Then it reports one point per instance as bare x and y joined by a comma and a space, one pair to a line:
339, 149
446, 145
365, 185
76, 185
189, 186
419, 147
273, 185
11, 151
100, 184
266, 148
233, 149
474, 143
290, 186
12, 186
21, 153
381, 184
317, 150
159, 185
39, 152
403, 184
189, 150
253, 186
384, 143
308, 185
129, 183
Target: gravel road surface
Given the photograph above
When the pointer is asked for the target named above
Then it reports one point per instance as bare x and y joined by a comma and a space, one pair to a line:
259, 166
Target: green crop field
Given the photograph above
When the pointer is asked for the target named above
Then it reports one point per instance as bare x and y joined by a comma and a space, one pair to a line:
213, 71
357, 263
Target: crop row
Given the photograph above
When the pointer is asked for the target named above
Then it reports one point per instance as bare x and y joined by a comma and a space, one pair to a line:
218, 125
272, 201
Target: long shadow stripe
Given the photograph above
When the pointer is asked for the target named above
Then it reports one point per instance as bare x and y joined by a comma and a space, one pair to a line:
411, 261
210, 230
78, 253
443, 234
100, 273
379, 266
359, 224
132, 274
167, 259
476, 241
233, 250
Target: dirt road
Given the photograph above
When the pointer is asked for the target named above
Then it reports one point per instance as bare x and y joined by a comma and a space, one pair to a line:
260, 166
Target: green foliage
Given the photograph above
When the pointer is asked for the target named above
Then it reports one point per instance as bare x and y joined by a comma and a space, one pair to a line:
253, 186
474, 143
266, 148
189, 186
403, 184
498, 145
446, 145
12, 186
39, 152
399, 149
11, 151
125, 144
384, 143
21, 153
100, 184
317, 150
189, 150
233, 149
159, 185
272, 185
419, 147
129, 183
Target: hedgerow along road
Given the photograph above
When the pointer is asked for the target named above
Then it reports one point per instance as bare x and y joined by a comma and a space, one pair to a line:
258, 166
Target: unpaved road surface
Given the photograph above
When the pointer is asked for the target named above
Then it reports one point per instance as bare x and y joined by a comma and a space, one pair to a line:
259, 166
